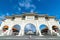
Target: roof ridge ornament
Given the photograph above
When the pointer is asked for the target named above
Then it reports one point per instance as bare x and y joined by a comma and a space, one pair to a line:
32, 11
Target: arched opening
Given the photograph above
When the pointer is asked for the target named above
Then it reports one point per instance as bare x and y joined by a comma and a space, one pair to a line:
5, 28
30, 29
55, 28
16, 29
44, 29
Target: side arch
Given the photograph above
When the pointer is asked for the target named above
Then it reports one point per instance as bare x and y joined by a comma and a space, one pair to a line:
55, 28
44, 29
5, 27
16, 29
43, 26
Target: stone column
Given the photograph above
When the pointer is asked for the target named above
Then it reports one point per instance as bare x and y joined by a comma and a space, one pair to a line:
36, 32
50, 28
22, 32
51, 32
40, 33
9, 31
2, 25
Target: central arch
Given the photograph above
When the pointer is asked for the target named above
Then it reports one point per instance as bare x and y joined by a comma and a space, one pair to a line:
16, 29
44, 29
30, 29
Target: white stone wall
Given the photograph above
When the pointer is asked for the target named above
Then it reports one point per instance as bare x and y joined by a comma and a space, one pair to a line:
37, 23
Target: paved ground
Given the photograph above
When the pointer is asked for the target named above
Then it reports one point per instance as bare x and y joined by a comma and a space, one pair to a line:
27, 38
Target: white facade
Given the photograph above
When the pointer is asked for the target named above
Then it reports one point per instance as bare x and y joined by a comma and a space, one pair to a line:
30, 18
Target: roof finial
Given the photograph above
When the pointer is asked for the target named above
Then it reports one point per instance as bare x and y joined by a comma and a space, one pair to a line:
32, 11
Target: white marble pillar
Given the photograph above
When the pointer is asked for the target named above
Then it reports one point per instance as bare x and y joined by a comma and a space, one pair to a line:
2, 25
51, 32
9, 31
22, 32
36, 30
40, 34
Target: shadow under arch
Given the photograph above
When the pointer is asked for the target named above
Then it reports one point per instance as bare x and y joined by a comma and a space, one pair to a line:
16, 29
44, 29
55, 28
30, 29
5, 28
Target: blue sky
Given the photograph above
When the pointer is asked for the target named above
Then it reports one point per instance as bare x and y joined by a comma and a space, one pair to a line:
10, 7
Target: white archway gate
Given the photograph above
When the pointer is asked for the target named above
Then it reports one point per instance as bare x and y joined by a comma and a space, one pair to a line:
23, 23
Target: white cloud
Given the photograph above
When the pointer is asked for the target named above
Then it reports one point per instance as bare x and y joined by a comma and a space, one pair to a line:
19, 8
21, 4
27, 5
28, 1
31, 10
2, 17
33, 6
7, 14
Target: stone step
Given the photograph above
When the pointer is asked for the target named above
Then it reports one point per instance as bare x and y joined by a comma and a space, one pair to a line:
28, 38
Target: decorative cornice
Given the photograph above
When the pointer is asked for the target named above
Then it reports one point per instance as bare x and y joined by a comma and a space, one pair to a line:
31, 14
